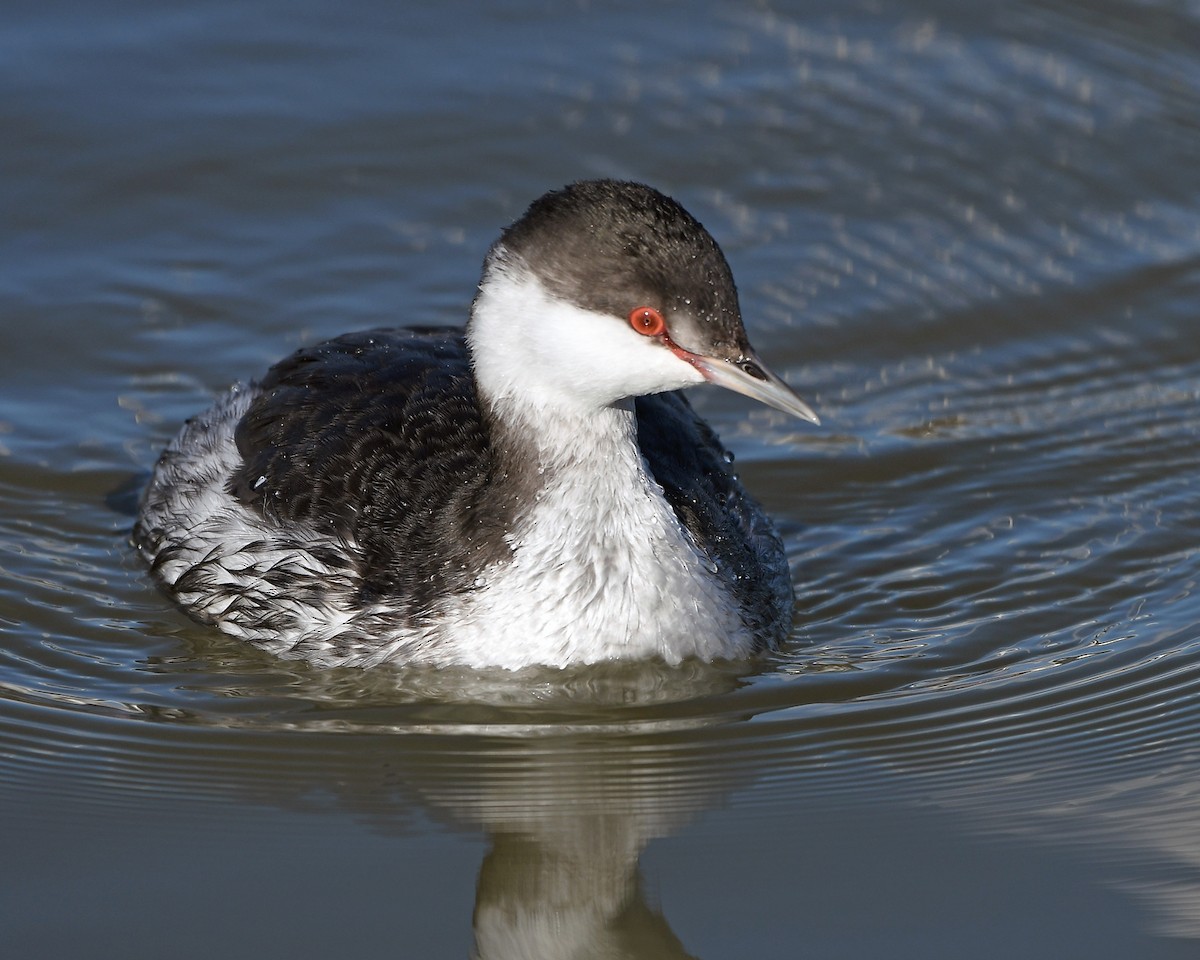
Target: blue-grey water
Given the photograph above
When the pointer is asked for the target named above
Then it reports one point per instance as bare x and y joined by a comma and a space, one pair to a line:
968, 233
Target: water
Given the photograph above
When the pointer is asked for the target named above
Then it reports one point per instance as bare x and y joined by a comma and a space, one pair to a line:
967, 233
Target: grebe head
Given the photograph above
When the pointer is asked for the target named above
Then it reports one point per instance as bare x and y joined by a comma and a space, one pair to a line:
607, 290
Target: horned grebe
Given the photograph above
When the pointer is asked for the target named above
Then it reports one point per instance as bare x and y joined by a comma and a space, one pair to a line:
529, 491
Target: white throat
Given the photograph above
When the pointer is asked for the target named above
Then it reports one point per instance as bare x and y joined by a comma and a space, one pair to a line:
601, 566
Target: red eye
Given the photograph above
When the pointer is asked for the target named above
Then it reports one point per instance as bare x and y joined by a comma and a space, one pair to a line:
647, 321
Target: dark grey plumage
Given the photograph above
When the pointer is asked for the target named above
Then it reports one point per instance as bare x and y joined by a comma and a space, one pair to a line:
378, 439
417, 494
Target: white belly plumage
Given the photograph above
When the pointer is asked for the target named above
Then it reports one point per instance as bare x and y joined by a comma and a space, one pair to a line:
600, 569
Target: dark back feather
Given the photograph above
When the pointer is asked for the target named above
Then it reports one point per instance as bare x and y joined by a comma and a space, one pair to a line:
378, 438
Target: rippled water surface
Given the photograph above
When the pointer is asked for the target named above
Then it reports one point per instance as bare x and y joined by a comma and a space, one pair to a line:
968, 233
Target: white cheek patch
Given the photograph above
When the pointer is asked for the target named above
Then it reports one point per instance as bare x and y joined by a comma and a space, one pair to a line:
564, 357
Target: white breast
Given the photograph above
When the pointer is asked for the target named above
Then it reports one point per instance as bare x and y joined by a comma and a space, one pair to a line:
601, 569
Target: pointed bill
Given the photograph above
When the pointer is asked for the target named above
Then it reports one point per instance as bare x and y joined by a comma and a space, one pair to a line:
749, 376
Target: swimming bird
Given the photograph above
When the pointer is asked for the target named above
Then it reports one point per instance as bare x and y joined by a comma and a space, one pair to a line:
532, 490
